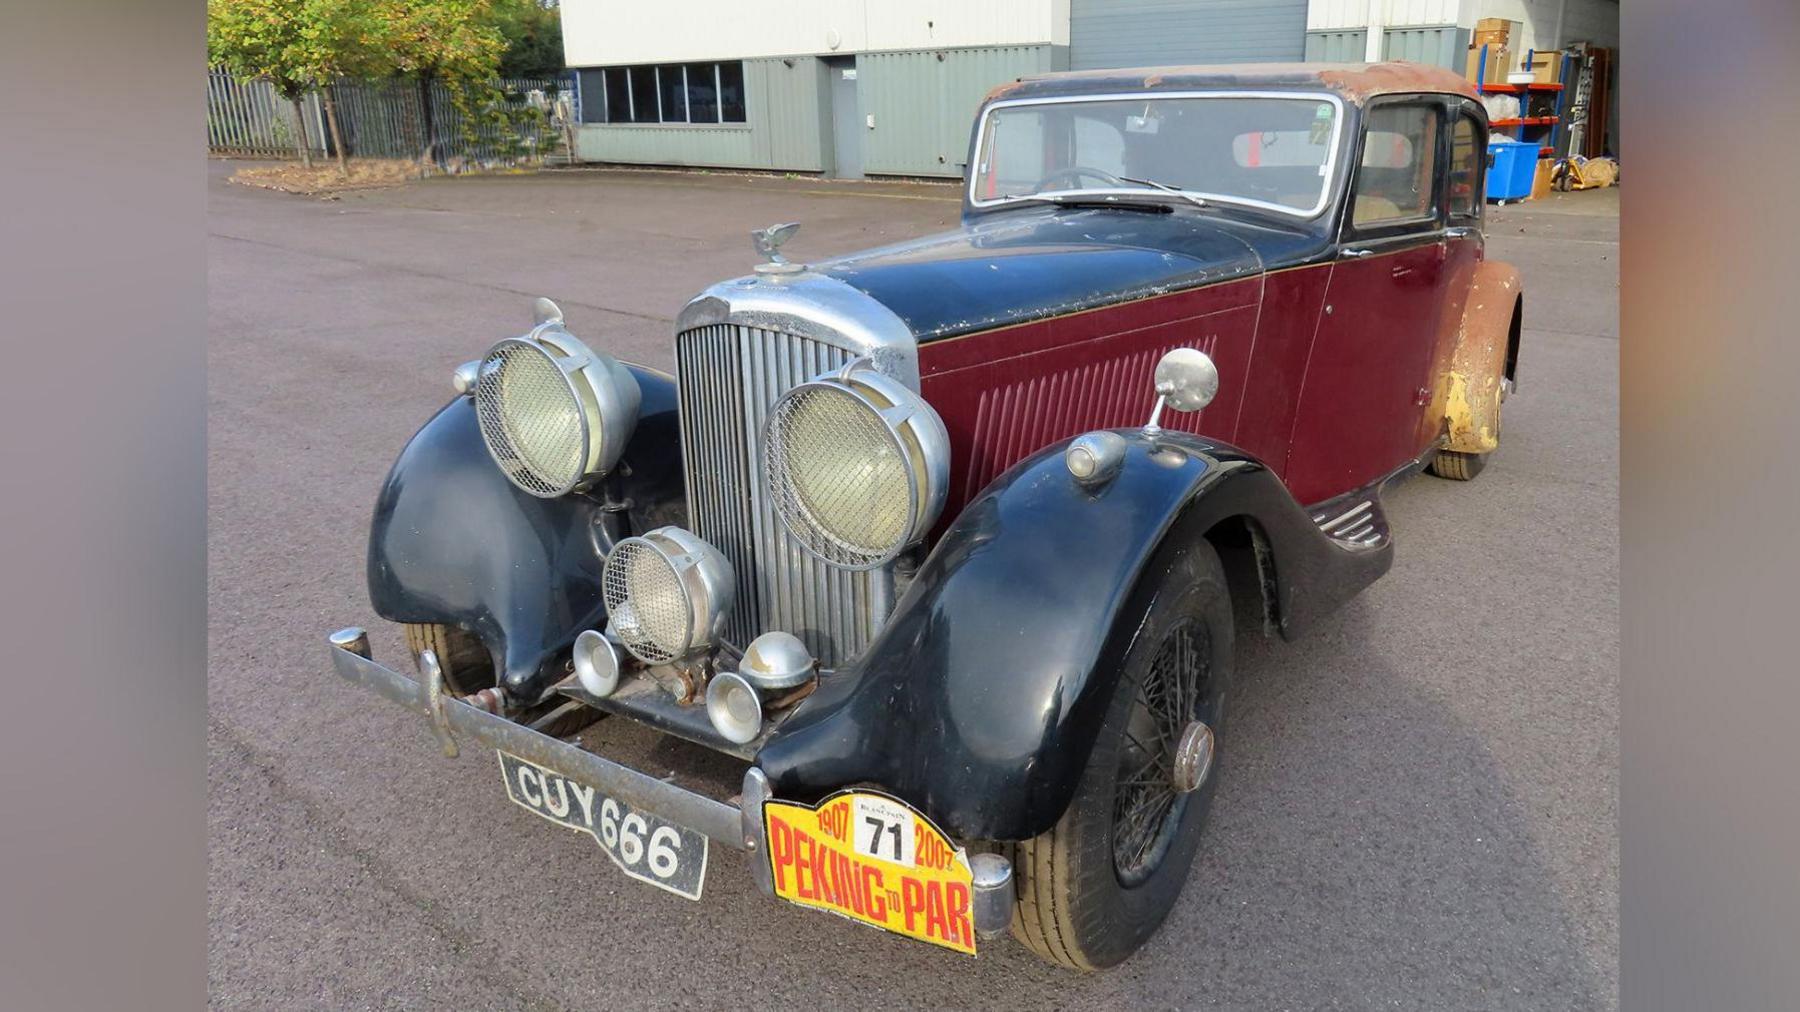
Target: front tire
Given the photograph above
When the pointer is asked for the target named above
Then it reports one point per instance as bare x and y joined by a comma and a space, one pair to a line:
1095, 887
467, 665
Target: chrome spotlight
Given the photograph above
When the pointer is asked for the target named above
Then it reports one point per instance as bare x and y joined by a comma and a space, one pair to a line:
667, 593
734, 707
553, 412
596, 663
776, 660
857, 466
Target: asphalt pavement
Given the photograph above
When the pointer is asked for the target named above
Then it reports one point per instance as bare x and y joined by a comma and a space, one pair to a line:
1419, 807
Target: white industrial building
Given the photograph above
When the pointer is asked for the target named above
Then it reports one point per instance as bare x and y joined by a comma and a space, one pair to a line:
889, 87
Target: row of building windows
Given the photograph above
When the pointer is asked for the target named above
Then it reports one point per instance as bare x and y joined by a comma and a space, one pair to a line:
669, 93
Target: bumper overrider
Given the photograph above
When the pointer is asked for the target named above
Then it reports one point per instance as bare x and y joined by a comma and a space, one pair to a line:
742, 824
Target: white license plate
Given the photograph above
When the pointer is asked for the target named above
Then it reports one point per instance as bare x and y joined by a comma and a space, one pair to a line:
647, 848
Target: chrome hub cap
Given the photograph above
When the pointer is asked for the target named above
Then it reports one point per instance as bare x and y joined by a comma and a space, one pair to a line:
1193, 758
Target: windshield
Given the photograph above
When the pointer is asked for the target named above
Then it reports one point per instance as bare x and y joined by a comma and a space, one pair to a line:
1268, 151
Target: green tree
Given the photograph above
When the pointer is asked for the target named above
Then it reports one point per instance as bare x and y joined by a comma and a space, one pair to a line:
533, 31
458, 42
301, 46
261, 38
343, 38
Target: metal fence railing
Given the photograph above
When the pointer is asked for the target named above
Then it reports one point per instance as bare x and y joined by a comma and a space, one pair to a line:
247, 117
512, 120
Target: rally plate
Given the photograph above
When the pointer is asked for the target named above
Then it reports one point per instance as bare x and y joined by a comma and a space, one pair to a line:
871, 858
645, 847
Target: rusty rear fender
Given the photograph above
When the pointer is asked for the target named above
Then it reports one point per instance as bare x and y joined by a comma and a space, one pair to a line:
1486, 352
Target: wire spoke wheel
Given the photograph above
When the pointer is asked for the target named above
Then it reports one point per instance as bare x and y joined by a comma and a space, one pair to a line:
1147, 809
1093, 887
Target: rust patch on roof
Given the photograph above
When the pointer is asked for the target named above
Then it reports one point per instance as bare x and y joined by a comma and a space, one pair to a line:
1366, 80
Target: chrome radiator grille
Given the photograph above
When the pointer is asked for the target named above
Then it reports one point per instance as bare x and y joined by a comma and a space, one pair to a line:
729, 377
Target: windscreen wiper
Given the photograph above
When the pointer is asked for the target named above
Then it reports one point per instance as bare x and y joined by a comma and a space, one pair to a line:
1108, 200
1176, 190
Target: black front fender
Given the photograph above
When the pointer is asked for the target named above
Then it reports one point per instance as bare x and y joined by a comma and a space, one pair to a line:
453, 541
983, 695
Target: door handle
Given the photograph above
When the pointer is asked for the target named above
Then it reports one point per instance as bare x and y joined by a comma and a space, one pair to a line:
1458, 232
1356, 253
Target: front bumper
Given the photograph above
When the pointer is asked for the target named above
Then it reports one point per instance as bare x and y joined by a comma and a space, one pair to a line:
738, 826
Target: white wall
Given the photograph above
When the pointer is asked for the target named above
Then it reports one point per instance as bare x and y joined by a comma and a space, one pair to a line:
1593, 21
607, 32
1326, 15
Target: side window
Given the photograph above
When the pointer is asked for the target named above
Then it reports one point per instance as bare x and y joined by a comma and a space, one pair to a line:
1395, 182
1465, 168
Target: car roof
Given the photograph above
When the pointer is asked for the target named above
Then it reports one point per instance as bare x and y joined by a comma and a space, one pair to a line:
1355, 82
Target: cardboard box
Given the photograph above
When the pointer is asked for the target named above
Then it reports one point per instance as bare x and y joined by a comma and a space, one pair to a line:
1545, 67
1493, 31
1540, 182
1499, 59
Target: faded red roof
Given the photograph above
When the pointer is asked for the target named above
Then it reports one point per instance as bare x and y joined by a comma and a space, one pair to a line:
1355, 81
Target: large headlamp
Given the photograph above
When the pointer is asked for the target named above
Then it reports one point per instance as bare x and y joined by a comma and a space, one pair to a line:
553, 412
857, 466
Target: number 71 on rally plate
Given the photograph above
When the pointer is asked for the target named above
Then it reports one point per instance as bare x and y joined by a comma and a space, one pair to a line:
872, 858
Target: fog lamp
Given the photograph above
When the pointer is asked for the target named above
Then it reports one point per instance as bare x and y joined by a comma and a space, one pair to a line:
667, 594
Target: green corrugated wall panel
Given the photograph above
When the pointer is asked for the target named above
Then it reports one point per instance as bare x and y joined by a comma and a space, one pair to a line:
1342, 46
1435, 45
924, 103
789, 117
783, 130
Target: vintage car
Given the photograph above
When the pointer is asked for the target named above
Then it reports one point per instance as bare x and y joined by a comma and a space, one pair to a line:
941, 549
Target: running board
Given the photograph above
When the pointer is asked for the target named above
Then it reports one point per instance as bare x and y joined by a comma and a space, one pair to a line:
1354, 523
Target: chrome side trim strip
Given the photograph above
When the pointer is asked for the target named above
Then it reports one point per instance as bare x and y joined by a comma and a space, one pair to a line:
1328, 526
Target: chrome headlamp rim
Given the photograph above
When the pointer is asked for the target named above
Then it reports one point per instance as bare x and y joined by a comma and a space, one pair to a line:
911, 426
604, 393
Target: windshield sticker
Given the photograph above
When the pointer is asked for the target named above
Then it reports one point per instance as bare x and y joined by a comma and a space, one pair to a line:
1321, 124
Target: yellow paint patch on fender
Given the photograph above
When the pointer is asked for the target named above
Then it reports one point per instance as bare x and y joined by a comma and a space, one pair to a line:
1469, 394
1471, 415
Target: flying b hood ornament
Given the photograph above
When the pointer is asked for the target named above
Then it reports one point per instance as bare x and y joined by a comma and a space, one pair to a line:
768, 242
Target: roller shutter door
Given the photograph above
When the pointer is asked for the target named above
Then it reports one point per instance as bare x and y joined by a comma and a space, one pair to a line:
1146, 33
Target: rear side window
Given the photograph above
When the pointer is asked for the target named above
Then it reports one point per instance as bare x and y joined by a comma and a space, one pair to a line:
1394, 183
1465, 168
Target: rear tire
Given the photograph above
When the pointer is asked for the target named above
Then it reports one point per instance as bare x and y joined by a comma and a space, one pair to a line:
467, 665
1095, 887
1458, 466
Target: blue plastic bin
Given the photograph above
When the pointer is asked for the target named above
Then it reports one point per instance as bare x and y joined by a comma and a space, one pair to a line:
1511, 166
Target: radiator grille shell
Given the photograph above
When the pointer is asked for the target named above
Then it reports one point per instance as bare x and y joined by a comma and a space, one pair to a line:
729, 376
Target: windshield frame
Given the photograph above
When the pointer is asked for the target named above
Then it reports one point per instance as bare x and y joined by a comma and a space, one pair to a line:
1327, 187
